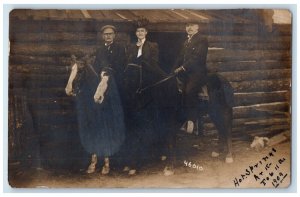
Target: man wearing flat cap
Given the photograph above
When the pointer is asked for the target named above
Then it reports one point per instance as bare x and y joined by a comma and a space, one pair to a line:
110, 55
191, 71
109, 66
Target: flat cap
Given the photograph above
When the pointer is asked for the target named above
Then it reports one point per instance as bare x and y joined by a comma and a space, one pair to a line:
108, 26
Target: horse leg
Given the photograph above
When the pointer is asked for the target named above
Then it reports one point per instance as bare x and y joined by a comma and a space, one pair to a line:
228, 130
92, 166
223, 122
69, 87
171, 152
105, 168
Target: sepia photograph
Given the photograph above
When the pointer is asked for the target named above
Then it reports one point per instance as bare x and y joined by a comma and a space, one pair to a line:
150, 98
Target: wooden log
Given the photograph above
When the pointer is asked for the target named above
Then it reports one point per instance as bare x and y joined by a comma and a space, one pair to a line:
247, 65
51, 49
241, 99
42, 60
64, 127
262, 110
240, 76
47, 26
252, 45
262, 129
41, 92
58, 132
67, 25
66, 37
65, 103
261, 85
38, 81
246, 55
282, 29
249, 39
35, 69
55, 117
267, 132
263, 121
277, 139
244, 123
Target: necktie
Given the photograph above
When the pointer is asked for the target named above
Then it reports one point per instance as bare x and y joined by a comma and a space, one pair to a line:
189, 38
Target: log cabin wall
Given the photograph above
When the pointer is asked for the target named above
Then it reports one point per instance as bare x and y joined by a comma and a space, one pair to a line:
42, 119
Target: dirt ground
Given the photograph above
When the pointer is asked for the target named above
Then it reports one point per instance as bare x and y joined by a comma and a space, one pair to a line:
194, 168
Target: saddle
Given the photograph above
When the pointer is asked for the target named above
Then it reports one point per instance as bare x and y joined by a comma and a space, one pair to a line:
202, 94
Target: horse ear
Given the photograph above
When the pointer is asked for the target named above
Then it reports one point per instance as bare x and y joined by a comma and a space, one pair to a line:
73, 59
88, 59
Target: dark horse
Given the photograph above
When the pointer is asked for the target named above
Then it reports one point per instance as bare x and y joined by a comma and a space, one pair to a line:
153, 108
101, 124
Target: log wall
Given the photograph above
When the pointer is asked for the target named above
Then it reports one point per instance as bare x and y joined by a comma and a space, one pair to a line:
256, 62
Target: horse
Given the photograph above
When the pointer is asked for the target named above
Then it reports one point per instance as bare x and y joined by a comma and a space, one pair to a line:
166, 102
99, 112
149, 115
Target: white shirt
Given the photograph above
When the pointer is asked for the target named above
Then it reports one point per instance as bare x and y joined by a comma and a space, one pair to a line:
140, 45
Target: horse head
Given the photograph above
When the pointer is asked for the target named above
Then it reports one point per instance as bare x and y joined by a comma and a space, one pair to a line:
78, 68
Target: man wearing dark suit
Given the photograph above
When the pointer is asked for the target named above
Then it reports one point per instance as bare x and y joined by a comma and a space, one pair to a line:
109, 66
110, 55
191, 71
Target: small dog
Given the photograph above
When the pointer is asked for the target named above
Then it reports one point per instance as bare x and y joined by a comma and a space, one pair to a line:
259, 143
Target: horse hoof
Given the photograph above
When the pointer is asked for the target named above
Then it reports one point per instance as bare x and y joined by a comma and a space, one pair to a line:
132, 172
215, 154
229, 160
105, 170
91, 169
126, 169
168, 171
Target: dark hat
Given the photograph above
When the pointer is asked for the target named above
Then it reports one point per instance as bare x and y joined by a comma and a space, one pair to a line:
142, 22
108, 26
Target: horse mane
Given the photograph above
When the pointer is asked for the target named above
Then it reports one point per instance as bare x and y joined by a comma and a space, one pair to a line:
85, 75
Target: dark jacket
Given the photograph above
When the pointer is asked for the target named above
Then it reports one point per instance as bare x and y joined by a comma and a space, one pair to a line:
111, 59
193, 58
148, 73
149, 60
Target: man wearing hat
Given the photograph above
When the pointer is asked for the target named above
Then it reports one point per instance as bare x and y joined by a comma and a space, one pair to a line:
110, 56
191, 71
109, 66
